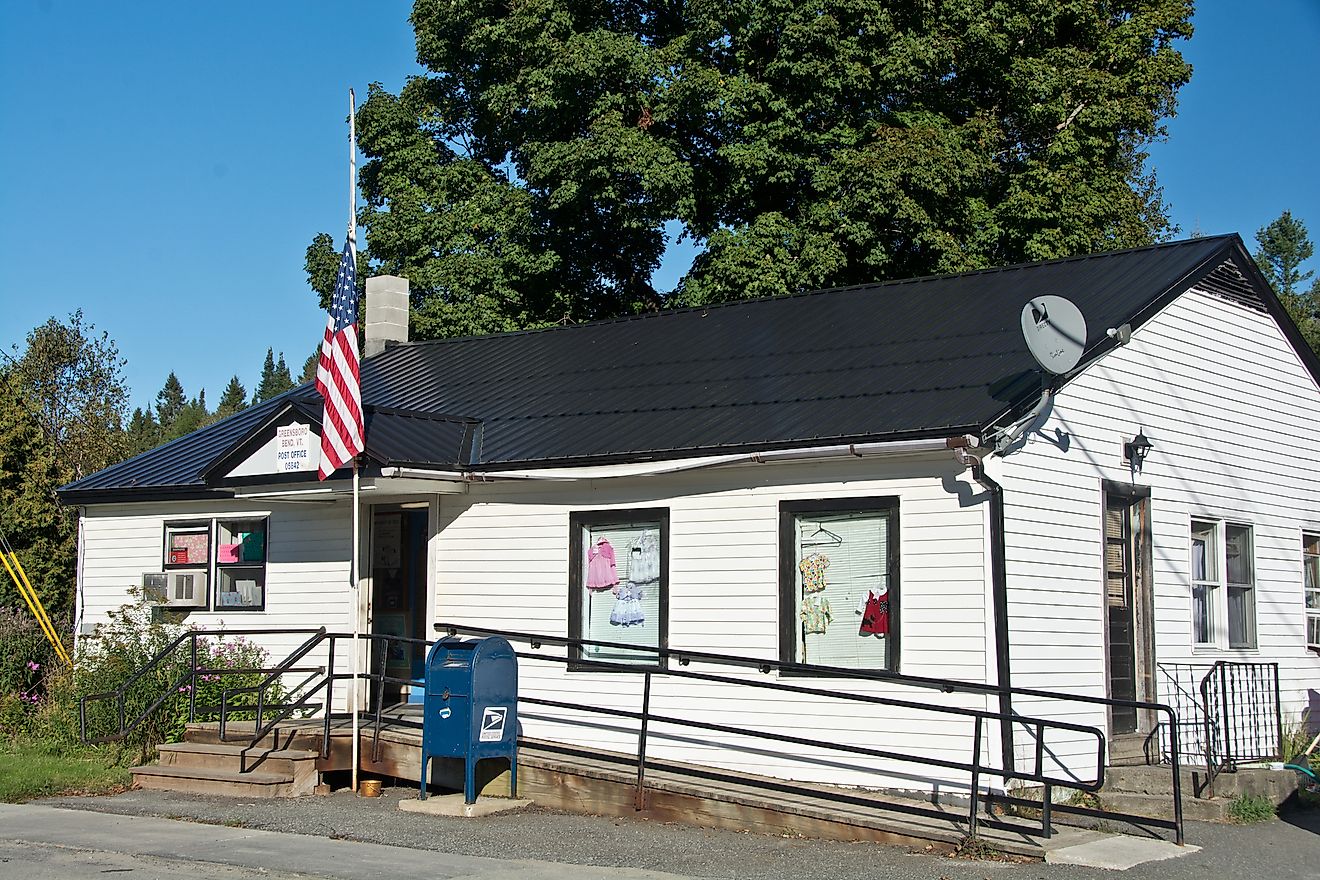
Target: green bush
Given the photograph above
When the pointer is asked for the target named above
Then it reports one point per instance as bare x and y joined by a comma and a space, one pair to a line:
26, 659
113, 654
1250, 808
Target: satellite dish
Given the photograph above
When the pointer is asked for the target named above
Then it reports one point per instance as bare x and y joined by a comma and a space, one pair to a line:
1055, 332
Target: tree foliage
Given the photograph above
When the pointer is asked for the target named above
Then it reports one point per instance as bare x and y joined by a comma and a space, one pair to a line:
275, 378
74, 378
1283, 247
62, 402
233, 399
42, 533
532, 175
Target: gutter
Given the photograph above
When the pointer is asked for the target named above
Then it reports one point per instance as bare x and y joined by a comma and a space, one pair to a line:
647, 469
999, 597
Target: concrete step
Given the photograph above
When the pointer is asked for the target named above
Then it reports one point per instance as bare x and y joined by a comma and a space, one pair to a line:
1159, 806
196, 780
225, 756
1277, 785
1153, 779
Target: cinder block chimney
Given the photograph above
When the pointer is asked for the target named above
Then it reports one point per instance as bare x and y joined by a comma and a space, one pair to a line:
387, 313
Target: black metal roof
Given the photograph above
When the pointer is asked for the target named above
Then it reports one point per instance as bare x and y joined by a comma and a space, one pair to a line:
903, 359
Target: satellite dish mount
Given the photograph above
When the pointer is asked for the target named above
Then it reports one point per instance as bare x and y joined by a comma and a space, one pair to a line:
1055, 333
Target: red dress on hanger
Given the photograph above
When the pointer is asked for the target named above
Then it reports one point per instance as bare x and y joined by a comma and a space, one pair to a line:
875, 619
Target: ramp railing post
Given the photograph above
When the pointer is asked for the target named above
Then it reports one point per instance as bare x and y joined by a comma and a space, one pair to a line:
976, 777
639, 800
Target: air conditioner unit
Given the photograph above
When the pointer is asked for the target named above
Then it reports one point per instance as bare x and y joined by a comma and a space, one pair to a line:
177, 589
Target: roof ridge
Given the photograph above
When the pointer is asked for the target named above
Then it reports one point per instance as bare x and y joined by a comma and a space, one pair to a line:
892, 282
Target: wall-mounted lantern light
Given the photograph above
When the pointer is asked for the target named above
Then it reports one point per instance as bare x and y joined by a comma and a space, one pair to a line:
1136, 449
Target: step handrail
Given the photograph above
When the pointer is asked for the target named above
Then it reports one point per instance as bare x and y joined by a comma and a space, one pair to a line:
187, 678
261, 687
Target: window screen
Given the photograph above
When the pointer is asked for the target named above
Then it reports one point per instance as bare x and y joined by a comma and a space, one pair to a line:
839, 597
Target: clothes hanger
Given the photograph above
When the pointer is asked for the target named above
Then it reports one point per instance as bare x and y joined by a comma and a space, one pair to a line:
830, 539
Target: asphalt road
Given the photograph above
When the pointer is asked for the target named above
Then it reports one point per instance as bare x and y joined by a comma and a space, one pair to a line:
543, 845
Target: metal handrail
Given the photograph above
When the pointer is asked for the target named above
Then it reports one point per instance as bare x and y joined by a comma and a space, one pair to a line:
285, 666
188, 678
1220, 753
685, 657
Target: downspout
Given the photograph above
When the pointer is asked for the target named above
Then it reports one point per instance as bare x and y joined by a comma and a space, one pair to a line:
999, 597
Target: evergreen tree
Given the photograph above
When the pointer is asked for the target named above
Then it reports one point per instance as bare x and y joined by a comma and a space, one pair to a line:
194, 415
1284, 245
170, 402
310, 365
143, 432
233, 400
275, 378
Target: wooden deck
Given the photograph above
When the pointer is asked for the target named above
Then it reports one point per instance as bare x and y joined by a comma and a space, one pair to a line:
595, 782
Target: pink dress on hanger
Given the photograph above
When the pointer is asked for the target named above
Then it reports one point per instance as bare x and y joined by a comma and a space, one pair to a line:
602, 571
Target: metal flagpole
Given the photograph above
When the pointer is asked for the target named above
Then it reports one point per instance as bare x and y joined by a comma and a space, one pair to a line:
357, 533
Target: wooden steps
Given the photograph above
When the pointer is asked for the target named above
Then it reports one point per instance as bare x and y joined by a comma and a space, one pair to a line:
231, 769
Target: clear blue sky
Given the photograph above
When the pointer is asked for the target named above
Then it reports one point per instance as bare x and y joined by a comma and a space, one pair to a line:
166, 163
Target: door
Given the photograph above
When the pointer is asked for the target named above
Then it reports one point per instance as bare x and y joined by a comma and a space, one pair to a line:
398, 595
1129, 638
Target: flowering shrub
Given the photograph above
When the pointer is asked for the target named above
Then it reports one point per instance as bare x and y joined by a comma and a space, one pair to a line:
25, 659
159, 699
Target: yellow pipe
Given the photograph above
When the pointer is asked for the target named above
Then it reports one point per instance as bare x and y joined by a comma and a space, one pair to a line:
34, 605
38, 610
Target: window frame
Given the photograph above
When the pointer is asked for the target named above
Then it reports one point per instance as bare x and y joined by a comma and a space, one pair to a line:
219, 566
1310, 537
788, 612
577, 521
1220, 586
212, 566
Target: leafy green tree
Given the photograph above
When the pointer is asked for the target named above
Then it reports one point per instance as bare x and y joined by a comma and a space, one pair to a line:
275, 378
1283, 247
536, 173
74, 379
42, 533
233, 399
170, 403
62, 406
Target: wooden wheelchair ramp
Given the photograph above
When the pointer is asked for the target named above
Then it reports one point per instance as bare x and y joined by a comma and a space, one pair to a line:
596, 782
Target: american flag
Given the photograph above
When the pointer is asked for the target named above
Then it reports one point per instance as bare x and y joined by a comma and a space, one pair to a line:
337, 372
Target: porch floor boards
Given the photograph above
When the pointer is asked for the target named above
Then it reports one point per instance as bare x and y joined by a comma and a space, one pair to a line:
593, 781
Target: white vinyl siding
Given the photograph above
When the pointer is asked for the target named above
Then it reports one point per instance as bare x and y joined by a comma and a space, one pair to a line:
1226, 402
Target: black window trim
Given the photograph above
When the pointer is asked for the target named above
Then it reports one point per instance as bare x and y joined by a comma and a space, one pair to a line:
788, 613
580, 519
264, 519
189, 524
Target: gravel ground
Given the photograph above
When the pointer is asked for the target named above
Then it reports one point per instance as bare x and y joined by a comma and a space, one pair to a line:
1281, 849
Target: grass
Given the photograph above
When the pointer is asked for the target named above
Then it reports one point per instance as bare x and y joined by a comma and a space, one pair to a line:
1250, 808
28, 772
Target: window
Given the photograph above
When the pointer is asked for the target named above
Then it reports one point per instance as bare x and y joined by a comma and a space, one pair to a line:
619, 584
1205, 582
229, 553
187, 563
1223, 578
1311, 587
838, 591
240, 564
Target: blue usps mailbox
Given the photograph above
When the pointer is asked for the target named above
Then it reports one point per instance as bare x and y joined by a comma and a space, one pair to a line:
471, 707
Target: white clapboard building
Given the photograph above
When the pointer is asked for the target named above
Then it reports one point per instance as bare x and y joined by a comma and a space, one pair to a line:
879, 483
